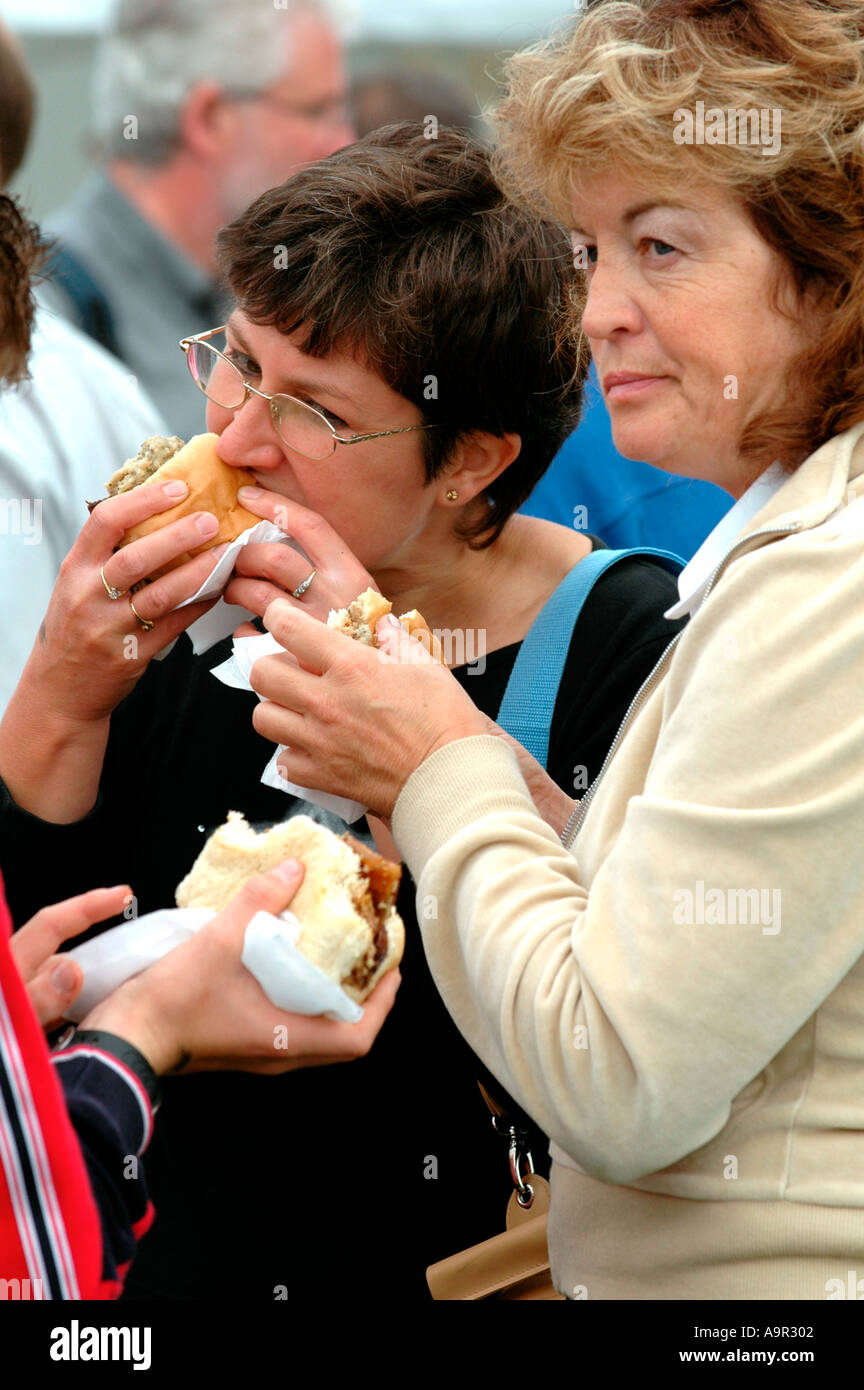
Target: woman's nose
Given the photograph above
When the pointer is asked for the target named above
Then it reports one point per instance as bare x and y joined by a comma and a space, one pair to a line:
247, 438
610, 304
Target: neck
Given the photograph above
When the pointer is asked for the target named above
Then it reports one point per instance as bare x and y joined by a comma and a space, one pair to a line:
446, 581
179, 200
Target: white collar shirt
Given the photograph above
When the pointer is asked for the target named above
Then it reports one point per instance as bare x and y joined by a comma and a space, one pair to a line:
696, 574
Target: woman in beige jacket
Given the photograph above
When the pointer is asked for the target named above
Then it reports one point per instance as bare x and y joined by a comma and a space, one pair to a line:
669, 977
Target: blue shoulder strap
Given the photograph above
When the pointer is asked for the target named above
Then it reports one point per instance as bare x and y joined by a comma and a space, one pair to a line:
529, 700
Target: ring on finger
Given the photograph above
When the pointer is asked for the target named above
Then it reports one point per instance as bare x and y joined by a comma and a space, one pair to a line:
145, 622
301, 588
109, 588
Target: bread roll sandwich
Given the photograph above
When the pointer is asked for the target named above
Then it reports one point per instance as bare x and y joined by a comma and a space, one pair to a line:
360, 618
345, 904
212, 484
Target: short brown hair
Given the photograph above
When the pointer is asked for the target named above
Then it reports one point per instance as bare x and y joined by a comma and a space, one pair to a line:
405, 248
603, 94
20, 252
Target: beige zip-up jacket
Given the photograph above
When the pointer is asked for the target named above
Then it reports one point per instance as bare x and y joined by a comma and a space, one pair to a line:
678, 999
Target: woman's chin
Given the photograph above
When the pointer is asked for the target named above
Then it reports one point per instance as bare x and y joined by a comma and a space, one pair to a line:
643, 447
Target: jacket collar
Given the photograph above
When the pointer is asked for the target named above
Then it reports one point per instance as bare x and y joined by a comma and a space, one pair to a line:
778, 501
829, 479
694, 578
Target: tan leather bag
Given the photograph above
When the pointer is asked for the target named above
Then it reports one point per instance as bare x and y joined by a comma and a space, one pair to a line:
514, 1264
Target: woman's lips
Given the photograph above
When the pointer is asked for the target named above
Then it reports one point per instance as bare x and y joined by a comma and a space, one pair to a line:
621, 388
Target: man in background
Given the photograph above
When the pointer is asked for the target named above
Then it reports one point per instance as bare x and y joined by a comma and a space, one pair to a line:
199, 106
63, 432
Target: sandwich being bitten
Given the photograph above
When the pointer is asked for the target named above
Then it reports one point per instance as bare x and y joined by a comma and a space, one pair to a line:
345, 904
212, 486
360, 618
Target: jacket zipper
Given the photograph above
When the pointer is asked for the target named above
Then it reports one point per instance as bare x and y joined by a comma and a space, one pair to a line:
570, 838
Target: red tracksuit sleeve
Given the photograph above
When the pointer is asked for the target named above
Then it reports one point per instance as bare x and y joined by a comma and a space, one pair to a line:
71, 1202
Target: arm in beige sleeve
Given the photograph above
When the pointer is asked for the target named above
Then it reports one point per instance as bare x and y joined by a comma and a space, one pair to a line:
624, 1029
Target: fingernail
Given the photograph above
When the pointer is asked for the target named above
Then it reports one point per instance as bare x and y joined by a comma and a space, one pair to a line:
219, 550
288, 870
250, 493
64, 978
176, 488
392, 621
206, 525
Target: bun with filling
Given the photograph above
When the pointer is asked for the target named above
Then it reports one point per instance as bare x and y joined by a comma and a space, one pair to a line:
212, 485
359, 620
345, 904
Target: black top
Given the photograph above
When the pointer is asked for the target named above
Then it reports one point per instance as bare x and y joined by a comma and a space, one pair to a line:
327, 1179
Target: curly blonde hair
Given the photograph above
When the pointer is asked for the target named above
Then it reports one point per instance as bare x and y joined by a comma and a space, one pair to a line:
602, 96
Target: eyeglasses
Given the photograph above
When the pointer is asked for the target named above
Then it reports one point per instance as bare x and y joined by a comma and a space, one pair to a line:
300, 426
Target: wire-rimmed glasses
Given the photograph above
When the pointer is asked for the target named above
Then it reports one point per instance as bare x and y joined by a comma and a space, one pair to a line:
299, 425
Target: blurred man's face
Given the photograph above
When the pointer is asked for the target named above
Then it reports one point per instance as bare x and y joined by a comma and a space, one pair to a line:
300, 119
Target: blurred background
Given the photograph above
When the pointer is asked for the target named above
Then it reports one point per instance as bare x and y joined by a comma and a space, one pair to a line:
463, 42
132, 267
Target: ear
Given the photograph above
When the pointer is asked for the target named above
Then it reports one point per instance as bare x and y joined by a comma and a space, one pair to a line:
477, 461
208, 120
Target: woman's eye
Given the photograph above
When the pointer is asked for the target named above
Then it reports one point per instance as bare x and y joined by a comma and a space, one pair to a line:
328, 415
242, 362
662, 247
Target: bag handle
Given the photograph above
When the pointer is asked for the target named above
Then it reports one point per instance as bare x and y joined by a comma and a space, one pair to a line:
529, 700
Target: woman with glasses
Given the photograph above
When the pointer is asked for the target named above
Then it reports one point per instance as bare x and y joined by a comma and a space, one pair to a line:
675, 986
396, 376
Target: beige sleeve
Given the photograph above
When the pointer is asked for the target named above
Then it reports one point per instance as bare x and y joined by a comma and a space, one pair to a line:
623, 1027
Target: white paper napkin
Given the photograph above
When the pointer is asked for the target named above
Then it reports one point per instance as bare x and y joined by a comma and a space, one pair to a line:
222, 619
235, 672
288, 979
286, 976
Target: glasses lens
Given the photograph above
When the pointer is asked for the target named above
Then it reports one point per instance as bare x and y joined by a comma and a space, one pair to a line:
218, 378
302, 428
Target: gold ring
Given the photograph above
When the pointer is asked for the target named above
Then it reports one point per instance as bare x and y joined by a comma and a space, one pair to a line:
145, 622
301, 588
109, 589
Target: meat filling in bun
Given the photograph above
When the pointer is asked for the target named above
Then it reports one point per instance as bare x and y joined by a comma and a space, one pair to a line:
345, 904
359, 619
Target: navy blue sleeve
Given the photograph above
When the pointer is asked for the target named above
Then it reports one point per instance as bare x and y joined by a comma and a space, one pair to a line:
113, 1119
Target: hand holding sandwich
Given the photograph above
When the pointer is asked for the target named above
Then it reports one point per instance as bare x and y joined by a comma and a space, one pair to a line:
100, 634
356, 720
267, 572
82, 637
199, 1008
371, 717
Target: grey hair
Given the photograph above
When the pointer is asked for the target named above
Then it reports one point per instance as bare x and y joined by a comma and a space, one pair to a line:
155, 51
